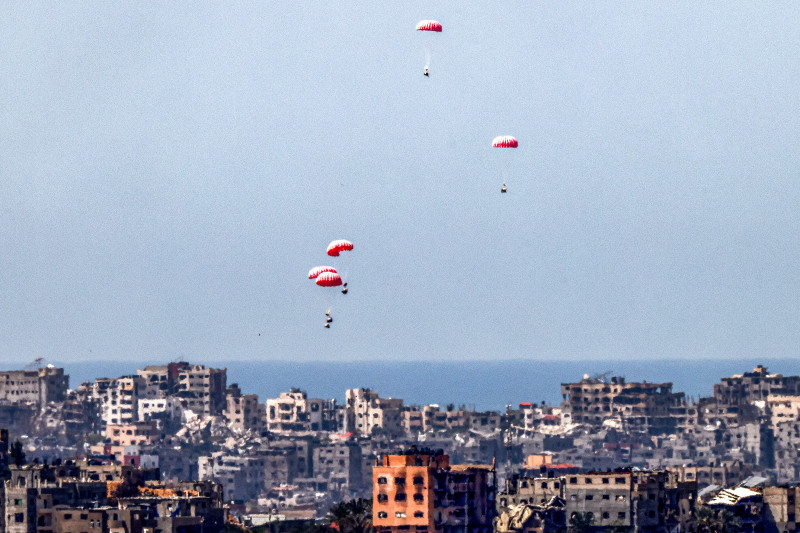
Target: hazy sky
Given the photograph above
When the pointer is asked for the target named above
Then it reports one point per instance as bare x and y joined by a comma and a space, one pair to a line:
170, 171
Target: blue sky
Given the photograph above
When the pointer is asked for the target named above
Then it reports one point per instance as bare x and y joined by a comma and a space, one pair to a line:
170, 172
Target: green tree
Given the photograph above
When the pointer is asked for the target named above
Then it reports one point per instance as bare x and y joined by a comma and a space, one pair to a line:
580, 522
351, 516
717, 521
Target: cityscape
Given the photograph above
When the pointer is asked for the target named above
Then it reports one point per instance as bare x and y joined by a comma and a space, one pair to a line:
399, 267
177, 447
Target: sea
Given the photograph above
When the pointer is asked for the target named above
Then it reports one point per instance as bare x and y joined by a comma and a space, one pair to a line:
480, 385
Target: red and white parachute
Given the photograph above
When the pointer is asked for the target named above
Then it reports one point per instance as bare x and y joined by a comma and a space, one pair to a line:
329, 279
316, 271
337, 246
504, 141
429, 25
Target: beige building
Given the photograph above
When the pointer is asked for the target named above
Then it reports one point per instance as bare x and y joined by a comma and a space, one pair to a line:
643, 406
241, 476
168, 408
201, 390
618, 499
433, 418
783, 507
294, 411
412, 419
141, 433
758, 385
119, 397
243, 411
782, 409
48, 384
366, 412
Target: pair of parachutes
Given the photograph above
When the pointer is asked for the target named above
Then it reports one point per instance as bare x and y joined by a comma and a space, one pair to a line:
502, 141
327, 276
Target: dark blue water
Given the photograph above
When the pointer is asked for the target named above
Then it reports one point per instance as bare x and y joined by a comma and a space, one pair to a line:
478, 384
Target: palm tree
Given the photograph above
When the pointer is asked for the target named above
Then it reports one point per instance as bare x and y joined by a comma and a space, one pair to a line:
351, 516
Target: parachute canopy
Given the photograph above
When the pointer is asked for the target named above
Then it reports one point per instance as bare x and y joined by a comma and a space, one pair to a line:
504, 141
429, 25
339, 246
329, 279
316, 271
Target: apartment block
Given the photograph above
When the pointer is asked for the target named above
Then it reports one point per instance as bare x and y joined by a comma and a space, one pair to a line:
241, 476
48, 384
340, 463
243, 411
421, 491
758, 385
366, 412
294, 411
119, 397
641, 406
200, 389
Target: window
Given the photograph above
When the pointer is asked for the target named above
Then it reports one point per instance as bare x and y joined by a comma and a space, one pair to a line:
573, 480
605, 481
619, 481
382, 480
418, 497
620, 498
621, 515
382, 514
606, 496
383, 498
418, 480
544, 484
605, 514
399, 514
589, 497
400, 497
588, 481
419, 514
400, 481
20, 517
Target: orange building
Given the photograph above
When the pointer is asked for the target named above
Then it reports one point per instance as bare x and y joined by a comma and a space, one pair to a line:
422, 492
